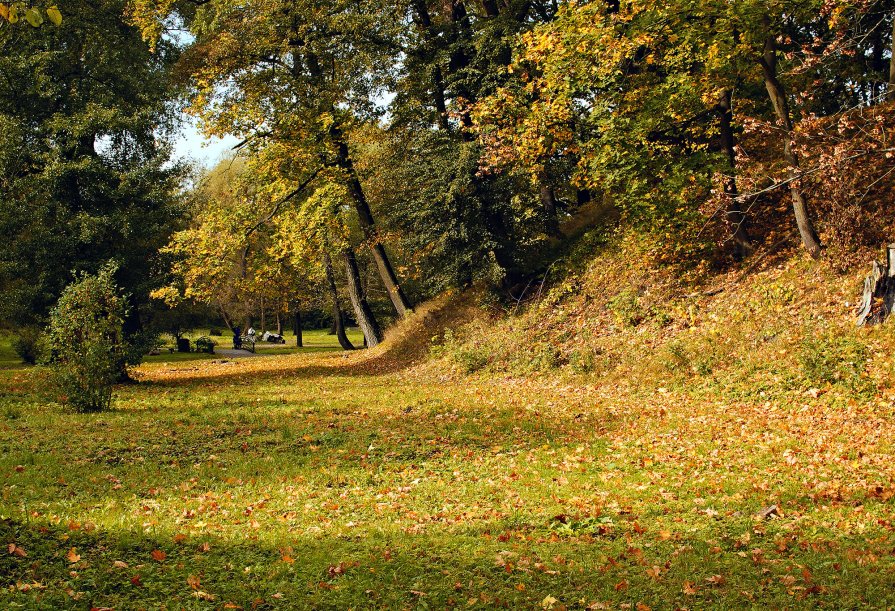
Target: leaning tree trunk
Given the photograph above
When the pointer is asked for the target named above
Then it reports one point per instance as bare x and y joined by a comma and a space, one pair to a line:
338, 320
362, 311
736, 218
781, 107
365, 218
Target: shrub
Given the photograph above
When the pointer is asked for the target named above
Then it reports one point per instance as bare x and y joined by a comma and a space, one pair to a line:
626, 308
834, 360
86, 331
205, 344
27, 344
470, 357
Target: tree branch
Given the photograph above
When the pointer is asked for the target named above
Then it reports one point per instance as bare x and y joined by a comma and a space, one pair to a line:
276, 208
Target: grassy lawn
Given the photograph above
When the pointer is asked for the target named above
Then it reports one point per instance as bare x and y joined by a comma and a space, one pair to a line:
325, 480
314, 340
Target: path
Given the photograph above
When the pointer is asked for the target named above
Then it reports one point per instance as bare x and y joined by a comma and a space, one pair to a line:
231, 353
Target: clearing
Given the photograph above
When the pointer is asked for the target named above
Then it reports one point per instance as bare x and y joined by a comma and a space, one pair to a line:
325, 480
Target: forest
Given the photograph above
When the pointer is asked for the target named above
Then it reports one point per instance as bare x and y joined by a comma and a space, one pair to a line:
550, 304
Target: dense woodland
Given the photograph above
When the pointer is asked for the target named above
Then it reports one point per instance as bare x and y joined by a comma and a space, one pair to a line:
392, 150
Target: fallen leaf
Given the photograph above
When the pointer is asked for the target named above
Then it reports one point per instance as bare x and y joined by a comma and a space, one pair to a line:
73, 556
15, 550
158, 555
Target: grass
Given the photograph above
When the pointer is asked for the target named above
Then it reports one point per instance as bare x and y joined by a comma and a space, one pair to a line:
326, 480
314, 340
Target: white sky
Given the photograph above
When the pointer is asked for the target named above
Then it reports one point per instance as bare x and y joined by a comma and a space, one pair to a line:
191, 144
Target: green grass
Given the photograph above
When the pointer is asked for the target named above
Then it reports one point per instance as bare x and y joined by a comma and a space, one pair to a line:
312, 481
8, 357
314, 340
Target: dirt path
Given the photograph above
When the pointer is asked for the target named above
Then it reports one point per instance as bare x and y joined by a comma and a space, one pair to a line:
231, 353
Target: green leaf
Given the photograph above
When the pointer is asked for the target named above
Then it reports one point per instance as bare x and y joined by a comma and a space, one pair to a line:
54, 15
34, 17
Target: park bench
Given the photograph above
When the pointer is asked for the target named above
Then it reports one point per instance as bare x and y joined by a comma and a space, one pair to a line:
246, 343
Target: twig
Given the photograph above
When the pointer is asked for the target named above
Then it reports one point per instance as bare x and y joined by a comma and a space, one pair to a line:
267, 218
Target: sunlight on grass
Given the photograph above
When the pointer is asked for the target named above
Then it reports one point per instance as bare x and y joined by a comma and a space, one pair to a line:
304, 481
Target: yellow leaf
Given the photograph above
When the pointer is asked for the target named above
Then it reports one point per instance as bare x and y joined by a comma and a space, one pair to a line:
73, 556
54, 15
34, 17
4, 11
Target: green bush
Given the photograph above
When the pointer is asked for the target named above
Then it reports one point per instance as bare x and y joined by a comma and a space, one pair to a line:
205, 344
839, 360
86, 332
470, 357
27, 344
626, 308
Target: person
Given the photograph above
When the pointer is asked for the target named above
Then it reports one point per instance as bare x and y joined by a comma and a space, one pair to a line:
237, 338
251, 333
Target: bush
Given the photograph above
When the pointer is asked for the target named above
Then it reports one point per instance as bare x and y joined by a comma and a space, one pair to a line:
831, 359
205, 344
470, 357
626, 308
27, 344
86, 331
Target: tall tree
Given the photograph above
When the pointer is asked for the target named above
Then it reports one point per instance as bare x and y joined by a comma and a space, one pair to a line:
303, 74
85, 173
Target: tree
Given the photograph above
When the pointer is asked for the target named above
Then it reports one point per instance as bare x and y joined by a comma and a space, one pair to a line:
85, 172
33, 15
295, 75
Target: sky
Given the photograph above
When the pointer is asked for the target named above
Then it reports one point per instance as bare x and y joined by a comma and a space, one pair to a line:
191, 144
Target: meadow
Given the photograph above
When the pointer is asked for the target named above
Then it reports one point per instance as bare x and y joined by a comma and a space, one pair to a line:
323, 479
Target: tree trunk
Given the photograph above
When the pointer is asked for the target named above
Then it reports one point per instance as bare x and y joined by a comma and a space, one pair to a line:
424, 22
338, 320
777, 94
890, 92
548, 203
362, 311
225, 317
296, 327
365, 217
878, 299
736, 218
263, 318
279, 323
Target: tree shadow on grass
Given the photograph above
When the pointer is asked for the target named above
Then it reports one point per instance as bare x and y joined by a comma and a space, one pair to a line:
488, 567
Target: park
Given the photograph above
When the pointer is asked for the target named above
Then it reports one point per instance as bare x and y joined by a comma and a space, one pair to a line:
405, 304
